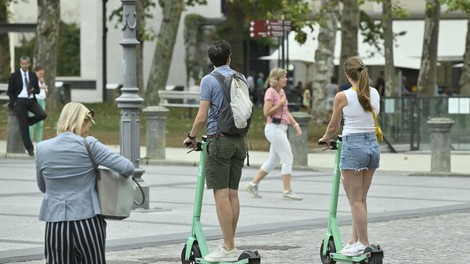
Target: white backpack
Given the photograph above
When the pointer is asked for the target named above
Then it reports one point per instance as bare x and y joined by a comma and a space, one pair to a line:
236, 109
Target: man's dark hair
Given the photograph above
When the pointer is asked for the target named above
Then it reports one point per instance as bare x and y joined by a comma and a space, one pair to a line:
219, 52
334, 80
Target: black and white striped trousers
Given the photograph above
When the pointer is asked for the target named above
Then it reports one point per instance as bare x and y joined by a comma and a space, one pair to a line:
76, 242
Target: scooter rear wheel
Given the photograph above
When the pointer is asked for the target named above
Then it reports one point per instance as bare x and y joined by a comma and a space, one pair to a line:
376, 256
375, 259
325, 259
252, 256
195, 253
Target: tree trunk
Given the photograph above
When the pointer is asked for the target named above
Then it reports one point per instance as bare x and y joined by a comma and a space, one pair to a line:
45, 53
427, 73
196, 42
139, 68
387, 23
5, 69
465, 77
164, 50
324, 66
234, 33
349, 29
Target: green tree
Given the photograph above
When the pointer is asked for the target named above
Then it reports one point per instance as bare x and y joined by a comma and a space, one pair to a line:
324, 55
240, 12
4, 44
463, 5
47, 34
68, 50
349, 28
234, 28
165, 41
387, 24
427, 73
195, 40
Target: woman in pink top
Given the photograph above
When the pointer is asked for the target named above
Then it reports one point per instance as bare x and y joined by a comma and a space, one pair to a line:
278, 120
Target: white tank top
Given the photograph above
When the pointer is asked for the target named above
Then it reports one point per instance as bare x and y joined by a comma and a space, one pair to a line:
356, 120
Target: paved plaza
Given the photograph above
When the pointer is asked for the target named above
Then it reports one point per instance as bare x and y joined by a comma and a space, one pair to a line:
416, 218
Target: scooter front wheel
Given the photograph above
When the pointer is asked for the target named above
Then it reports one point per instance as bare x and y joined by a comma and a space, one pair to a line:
326, 259
195, 253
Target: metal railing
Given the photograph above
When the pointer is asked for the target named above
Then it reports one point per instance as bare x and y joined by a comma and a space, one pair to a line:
403, 120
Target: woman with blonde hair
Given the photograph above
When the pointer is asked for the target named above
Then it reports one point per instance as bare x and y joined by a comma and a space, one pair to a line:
278, 120
360, 155
75, 229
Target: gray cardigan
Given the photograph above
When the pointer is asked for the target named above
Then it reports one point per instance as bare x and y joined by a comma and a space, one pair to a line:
66, 177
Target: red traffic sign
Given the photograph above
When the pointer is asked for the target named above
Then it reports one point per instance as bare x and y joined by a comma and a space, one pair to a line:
258, 29
269, 28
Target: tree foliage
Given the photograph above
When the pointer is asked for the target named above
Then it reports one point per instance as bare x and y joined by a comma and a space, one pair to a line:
68, 51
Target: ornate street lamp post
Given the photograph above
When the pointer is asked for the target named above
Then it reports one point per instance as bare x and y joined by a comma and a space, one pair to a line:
130, 102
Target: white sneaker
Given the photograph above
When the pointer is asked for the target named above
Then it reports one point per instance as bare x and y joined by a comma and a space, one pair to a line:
221, 254
291, 195
355, 250
346, 247
253, 190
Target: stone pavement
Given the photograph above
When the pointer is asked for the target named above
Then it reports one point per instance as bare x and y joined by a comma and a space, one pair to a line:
416, 219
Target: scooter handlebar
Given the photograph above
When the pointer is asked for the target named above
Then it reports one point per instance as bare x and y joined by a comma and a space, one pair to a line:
198, 146
331, 144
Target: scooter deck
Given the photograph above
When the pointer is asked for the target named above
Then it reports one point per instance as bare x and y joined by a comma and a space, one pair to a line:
203, 261
360, 258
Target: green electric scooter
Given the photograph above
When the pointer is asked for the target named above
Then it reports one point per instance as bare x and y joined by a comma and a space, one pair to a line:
196, 246
332, 244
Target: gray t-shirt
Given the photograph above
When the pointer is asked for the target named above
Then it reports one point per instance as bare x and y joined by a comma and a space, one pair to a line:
331, 90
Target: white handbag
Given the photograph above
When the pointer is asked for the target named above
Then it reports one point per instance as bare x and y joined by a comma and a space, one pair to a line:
115, 192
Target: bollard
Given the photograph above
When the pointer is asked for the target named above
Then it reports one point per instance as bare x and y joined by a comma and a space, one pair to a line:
299, 144
14, 139
440, 144
155, 133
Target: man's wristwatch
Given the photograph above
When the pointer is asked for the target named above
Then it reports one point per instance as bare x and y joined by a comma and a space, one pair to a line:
190, 137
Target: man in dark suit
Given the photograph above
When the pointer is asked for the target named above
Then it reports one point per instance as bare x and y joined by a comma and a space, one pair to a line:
22, 87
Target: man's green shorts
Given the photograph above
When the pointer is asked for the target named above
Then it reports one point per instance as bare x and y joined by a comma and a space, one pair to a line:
225, 157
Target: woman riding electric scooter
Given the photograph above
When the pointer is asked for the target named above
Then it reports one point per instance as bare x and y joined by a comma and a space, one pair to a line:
360, 154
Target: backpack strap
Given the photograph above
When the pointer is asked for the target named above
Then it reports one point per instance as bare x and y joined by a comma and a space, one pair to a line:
221, 80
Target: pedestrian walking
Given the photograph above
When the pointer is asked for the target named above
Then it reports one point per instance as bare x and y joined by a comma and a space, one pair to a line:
38, 128
330, 90
278, 120
360, 154
75, 230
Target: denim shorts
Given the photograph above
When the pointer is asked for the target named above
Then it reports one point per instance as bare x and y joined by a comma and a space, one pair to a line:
360, 151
